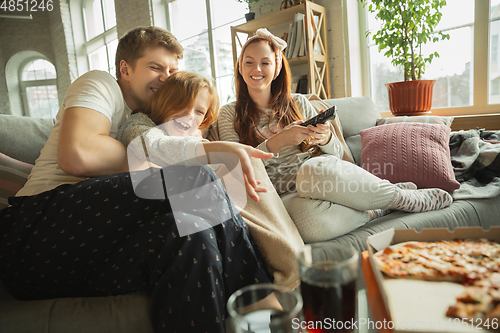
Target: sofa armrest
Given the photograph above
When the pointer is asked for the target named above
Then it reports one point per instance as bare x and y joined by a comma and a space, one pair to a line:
24, 137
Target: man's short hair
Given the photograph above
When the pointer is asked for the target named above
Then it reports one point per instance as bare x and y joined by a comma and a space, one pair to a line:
133, 44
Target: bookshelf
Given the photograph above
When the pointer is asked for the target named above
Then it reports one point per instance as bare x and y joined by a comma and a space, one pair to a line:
315, 63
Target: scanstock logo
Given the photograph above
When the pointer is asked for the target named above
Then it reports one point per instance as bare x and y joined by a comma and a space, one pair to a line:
200, 196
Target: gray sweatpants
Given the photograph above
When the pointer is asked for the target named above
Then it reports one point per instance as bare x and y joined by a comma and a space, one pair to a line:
332, 179
333, 197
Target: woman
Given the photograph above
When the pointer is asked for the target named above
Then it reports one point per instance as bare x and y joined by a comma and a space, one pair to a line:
306, 159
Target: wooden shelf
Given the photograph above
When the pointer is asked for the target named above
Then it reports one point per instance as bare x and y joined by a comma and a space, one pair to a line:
318, 69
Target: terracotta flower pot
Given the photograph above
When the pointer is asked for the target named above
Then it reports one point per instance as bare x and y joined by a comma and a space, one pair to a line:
410, 96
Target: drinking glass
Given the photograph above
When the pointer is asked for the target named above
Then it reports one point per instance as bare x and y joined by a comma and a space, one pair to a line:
328, 274
265, 308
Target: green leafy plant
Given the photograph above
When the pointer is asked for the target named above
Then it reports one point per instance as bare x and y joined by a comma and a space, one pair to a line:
248, 2
406, 26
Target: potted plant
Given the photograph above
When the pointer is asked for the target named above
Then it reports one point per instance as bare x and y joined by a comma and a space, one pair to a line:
406, 26
250, 15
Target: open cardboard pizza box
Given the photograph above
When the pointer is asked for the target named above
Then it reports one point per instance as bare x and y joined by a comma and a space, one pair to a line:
420, 306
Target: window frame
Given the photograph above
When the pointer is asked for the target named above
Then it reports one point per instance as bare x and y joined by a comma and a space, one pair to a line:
103, 39
25, 84
211, 28
480, 64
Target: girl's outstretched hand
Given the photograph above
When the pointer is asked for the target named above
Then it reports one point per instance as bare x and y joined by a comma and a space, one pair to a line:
230, 153
291, 135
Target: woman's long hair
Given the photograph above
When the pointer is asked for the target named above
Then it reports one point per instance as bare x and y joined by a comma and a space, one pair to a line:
284, 108
180, 91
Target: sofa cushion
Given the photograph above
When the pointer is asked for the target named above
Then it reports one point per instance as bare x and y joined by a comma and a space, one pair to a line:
26, 146
417, 119
130, 313
459, 214
355, 114
414, 152
13, 175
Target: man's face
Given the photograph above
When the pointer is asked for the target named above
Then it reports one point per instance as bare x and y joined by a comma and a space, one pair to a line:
148, 74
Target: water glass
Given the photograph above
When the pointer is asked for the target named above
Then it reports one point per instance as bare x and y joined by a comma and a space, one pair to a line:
265, 308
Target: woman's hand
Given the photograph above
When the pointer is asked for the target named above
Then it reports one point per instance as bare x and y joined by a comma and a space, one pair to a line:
321, 134
230, 153
292, 135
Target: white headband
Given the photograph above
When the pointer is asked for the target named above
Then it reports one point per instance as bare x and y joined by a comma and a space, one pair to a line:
278, 45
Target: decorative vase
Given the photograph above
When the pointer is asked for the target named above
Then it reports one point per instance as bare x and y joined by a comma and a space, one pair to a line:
410, 96
249, 16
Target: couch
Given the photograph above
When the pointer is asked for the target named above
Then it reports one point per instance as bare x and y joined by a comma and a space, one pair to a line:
22, 139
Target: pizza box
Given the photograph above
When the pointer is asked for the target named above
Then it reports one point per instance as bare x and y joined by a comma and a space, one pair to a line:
420, 306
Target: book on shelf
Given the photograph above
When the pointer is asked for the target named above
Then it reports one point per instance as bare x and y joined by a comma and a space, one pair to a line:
303, 42
285, 36
303, 85
289, 47
296, 38
299, 35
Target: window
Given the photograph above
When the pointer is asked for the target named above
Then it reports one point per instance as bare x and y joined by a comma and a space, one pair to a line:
495, 86
100, 34
461, 71
39, 89
494, 53
494, 71
206, 38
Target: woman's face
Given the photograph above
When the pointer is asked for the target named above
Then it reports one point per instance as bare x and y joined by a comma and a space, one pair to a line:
193, 117
258, 66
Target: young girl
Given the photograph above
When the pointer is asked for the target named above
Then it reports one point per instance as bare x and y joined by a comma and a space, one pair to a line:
267, 116
181, 107
184, 105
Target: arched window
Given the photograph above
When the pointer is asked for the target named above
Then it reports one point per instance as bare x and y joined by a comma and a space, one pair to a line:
100, 34
38, 82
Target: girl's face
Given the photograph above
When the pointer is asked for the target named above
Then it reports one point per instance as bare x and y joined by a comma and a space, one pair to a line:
258, 65
188, 124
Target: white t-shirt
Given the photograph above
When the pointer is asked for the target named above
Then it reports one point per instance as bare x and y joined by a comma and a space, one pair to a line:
95, 90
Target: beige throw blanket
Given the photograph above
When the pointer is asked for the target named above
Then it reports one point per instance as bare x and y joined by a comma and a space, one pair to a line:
273, 230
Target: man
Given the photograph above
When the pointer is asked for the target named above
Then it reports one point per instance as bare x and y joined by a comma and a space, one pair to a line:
78, 229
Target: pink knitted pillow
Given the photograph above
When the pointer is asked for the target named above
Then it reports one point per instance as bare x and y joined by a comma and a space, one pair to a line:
414, 152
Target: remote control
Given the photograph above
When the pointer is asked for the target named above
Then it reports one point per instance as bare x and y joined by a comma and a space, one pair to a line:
321, 118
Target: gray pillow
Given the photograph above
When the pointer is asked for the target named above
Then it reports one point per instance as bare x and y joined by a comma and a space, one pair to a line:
24, 137
354, 144
355, 114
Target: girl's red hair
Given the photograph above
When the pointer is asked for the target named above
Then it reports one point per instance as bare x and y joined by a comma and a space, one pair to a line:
180, 91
